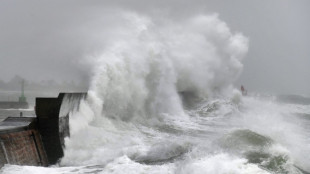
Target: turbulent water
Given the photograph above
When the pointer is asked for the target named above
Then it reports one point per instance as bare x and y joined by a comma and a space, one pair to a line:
162, 101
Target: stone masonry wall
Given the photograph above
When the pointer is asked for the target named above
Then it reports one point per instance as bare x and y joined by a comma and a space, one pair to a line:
22, 148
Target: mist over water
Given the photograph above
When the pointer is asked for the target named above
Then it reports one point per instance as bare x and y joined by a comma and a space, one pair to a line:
161, 100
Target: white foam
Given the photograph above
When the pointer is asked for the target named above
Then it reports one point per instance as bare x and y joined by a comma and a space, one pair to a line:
124, 164
14, 169
278, 121
220, 163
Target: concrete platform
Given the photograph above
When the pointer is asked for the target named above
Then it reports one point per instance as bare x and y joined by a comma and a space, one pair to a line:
16, 123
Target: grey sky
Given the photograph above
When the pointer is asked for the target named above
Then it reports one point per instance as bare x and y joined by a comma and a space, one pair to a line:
42, 39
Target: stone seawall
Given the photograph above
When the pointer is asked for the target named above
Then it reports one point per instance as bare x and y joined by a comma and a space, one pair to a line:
22, 148
20, 142
38, 141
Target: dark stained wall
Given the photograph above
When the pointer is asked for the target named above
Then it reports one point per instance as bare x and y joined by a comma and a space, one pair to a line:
47, 111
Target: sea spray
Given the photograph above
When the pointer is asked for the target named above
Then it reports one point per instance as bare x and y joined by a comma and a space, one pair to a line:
147, 64
138, 81
162, 95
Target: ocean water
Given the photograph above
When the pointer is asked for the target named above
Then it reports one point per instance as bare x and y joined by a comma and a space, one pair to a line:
256, 135
162, 100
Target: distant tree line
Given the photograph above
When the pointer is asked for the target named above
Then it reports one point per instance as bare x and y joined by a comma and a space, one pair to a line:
46, 85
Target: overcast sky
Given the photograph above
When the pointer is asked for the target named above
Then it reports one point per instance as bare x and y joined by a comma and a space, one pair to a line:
42, 39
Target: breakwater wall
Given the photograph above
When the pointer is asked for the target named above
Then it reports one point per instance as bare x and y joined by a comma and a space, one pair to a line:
38, 141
